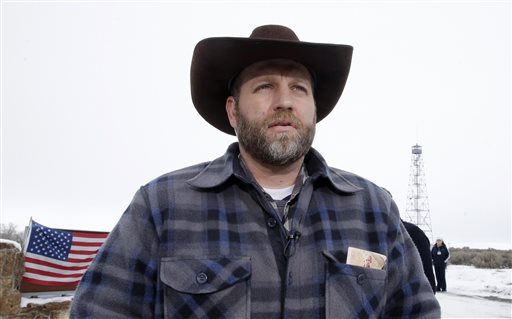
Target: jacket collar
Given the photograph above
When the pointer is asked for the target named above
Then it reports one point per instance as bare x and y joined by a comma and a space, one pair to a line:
317, 168
220, 170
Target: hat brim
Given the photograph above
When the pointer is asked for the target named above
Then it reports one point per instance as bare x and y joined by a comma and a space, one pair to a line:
216, 61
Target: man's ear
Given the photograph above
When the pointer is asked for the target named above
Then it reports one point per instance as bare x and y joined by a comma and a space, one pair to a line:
230, 110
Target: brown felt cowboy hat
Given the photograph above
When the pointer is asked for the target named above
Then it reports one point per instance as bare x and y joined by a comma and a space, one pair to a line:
217, 61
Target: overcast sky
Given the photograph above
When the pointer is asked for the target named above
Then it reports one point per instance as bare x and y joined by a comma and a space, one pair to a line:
96, 102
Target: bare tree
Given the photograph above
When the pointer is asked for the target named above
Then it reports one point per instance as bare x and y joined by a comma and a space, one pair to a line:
11, 232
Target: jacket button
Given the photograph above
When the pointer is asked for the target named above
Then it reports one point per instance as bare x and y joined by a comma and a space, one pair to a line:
201, 278
271, 222
361, 279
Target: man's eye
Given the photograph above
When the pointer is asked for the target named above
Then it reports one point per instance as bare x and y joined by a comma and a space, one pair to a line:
300, 88
265, 86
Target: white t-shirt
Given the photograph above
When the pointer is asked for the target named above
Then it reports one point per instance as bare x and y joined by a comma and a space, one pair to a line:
279, 193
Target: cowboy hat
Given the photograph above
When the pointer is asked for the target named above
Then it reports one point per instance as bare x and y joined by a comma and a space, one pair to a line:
217, 61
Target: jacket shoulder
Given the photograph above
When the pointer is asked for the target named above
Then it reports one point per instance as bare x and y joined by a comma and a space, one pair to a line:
179, 175
361, 182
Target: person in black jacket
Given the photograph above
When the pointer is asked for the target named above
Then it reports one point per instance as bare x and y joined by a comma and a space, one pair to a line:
423, 245
440, 256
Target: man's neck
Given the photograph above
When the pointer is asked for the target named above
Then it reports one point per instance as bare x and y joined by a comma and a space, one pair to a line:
271, 176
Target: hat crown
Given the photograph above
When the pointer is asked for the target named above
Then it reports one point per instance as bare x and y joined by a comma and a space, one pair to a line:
274, 32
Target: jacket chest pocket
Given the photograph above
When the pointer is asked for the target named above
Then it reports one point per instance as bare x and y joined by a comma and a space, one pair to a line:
206, 287
352, 291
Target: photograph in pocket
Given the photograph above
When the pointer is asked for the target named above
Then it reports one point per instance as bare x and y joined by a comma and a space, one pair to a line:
365, 258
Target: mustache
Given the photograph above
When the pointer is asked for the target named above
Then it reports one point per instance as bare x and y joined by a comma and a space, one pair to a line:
283, 117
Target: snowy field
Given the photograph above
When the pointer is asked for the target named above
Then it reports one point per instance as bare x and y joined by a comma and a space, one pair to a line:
476, 293
472, 293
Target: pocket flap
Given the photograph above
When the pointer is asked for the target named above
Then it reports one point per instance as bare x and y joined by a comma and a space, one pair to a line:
202, 275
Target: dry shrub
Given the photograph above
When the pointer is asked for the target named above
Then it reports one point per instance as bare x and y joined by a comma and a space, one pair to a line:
481, 258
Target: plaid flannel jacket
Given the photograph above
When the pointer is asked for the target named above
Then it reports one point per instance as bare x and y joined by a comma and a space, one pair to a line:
204, 242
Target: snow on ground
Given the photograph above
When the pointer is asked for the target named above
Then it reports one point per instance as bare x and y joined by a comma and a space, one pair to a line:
454, 306
43, 300
480, 282
476, 293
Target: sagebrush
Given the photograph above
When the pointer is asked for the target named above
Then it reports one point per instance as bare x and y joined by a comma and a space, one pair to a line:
481, 258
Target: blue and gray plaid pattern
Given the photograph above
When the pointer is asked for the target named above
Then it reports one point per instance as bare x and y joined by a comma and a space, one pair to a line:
203, 242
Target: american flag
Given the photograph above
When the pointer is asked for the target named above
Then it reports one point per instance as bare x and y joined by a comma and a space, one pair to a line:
56, 257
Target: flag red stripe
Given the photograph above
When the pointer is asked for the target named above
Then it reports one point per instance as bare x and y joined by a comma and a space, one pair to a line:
83, 252
51, 274
51, 283
89, 235
49, 264
78, 260
84, 244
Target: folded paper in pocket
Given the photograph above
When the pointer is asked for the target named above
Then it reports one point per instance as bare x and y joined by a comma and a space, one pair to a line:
365, 258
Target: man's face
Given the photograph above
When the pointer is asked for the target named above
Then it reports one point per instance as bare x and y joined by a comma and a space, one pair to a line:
274, 114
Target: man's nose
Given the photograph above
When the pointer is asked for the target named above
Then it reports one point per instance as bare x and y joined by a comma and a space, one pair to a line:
283, 99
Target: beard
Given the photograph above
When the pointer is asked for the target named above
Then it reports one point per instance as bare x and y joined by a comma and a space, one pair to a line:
275, 148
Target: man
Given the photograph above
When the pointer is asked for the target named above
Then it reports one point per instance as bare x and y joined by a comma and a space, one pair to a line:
264, 230
423, 244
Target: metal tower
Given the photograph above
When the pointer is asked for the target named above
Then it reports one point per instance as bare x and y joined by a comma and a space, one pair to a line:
417, 210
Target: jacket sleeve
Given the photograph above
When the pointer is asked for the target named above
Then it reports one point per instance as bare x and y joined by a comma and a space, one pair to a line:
447, 255
121, 281
409, 293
